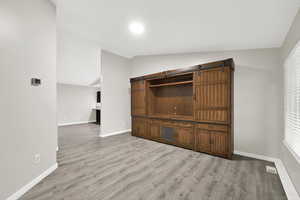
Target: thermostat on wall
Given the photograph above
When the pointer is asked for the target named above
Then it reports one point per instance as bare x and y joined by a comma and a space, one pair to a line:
36, 81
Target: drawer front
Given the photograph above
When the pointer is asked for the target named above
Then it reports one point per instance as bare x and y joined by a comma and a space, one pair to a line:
212, 127
185, 124
176, 123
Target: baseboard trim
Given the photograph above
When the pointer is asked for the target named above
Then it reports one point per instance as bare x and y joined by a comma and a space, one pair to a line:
286, 182
115, 133
76, 123
256, 156
32, 183
287, 146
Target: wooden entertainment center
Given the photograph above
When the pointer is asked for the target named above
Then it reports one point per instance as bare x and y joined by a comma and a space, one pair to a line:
190, 108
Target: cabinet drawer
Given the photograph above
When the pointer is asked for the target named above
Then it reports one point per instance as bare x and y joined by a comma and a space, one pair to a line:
212, 127
184, 124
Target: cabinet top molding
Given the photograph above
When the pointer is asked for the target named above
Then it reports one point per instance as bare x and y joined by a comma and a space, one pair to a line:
221, 63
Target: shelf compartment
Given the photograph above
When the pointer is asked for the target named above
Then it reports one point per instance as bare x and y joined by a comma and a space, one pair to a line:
172, 84
174, 80
175, 102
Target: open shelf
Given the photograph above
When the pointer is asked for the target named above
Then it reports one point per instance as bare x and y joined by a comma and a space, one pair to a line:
174, 80
171, 97
172, 84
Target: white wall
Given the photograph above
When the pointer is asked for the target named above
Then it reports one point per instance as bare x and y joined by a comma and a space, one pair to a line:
27, 114
75, 103
78, 60
115, 96
258, 104
79, 65
290, 162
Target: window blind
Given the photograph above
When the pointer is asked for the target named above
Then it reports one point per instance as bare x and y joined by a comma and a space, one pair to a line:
292, 99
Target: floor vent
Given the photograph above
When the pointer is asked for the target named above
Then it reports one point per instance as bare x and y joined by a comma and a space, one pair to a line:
271, 170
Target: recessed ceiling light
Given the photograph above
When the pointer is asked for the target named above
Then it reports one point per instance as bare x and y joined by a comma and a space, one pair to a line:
136, 28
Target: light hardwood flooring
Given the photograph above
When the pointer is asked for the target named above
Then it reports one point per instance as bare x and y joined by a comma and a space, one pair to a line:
128, 168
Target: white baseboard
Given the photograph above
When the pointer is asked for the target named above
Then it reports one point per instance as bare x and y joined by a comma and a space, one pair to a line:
287, 184
115, 133
297, 158
76, 123
256, 156
31, 184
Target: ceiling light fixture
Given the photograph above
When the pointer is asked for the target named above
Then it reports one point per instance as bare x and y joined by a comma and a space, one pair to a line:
136, 28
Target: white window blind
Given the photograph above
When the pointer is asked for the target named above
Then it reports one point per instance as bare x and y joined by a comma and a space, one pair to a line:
292, 99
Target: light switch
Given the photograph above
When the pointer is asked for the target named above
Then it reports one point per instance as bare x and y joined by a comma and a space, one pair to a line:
36, 81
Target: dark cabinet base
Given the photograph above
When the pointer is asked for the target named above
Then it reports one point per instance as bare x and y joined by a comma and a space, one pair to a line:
206, 138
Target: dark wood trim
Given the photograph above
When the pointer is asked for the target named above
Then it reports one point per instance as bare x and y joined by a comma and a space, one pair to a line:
172, 84
223, 63
179, 120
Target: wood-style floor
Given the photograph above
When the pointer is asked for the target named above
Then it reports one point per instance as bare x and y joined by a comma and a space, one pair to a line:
128, 168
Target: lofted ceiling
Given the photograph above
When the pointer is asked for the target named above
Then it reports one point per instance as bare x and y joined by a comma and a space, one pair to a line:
177, 26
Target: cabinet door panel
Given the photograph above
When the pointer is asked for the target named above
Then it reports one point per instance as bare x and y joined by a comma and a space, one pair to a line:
154, 129
138, 98
202, 140
219, 142
135, 127
212, 95
139, 127
185, 137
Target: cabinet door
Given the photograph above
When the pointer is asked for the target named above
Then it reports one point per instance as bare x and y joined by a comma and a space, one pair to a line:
219, 142
154, 129
202, 140
212, 95
138, 98
185, 137
139, 127
134, 127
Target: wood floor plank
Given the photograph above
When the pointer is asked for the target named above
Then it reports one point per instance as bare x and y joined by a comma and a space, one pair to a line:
125, 167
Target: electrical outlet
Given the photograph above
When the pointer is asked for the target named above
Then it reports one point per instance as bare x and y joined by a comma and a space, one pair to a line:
271, 170
37, 158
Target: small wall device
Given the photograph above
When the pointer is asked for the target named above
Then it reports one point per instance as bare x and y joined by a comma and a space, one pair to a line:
36, 81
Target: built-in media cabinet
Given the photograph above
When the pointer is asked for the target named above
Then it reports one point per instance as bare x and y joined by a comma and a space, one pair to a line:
190, 108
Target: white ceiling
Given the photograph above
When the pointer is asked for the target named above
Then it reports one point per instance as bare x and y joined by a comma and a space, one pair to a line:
177, 26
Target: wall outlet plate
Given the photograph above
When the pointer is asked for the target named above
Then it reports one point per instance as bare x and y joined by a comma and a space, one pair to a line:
271, 170
37, 158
